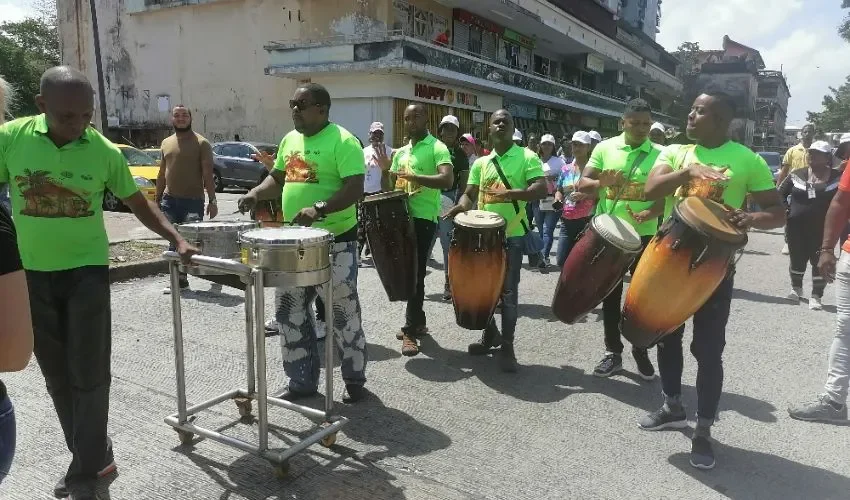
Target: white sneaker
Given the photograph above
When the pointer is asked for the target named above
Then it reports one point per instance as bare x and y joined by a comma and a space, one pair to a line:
785, 250
815, 304
321, 333
796, 294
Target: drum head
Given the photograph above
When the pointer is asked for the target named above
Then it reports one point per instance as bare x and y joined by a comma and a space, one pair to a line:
211, 226
616, 231
291, 235
480, 219
392, 195
709, 217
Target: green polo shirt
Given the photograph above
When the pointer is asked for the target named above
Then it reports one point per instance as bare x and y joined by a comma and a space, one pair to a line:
521, 166
57, 193
615, 154
421, 159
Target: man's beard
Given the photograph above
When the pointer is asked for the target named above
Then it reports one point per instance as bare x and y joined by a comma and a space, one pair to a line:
183, 129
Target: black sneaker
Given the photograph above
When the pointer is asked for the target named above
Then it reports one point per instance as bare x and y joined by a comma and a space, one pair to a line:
644, 365
507, 358
489, 339
60, 490
664, 418
610, 364
83, 491
356, 392
702, 455
447, 292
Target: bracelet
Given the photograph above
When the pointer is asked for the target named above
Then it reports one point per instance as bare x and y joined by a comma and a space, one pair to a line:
212, 201
830, 250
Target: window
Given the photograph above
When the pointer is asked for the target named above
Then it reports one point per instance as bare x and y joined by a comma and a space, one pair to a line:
475, 43
136, 158
510, 54
235, 150
542, 65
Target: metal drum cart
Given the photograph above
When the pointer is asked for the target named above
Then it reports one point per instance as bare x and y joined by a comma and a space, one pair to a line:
270, 257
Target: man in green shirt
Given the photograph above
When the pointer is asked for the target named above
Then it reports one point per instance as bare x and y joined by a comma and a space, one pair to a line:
58, 168
319, 173
617, 171
422, 168
734, 172
523, 171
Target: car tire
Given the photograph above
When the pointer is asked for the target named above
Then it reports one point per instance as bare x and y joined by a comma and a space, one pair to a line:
217, 182
111, 203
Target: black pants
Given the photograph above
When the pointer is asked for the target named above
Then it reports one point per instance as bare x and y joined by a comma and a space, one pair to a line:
707, 347
611, 309
71, 318
804, 242
414, 314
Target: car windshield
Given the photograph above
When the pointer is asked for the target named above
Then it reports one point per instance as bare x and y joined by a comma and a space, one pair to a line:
773, 159
136, 158
156, 154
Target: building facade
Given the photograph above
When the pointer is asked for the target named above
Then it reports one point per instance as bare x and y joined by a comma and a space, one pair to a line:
644, 15
559, 64
771, 110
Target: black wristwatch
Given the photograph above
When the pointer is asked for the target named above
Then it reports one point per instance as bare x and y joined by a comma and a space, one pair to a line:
320, 207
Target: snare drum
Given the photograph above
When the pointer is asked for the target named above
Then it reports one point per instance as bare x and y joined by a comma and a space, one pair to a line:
389, 231
680, 270
287, 250
214, 239
477, 265
595, 266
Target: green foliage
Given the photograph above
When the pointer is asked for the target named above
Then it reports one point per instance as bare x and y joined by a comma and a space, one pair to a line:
27, 49
844, 28
835, 115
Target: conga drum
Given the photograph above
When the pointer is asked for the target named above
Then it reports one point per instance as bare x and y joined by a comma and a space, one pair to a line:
680, 269
389, 231
477, 265
269, 213
595, 266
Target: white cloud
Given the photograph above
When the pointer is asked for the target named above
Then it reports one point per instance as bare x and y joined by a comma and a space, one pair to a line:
14, 10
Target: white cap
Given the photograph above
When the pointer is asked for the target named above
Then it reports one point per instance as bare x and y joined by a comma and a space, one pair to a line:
595, 136
821, 146
517, 135
547, 138
657, 126
376, 126
845, 138
450, 119
582, 137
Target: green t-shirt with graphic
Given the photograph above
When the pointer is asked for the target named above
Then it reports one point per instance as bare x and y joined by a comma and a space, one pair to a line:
421, 159
747, 171
315, 167
615, 154
57, 193
521, 166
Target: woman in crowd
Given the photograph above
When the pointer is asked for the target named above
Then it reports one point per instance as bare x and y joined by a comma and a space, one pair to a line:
810, 191
547, 216
576, 207
470, 147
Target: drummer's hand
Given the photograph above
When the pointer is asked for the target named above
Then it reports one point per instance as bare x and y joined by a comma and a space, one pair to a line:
826, 265
608, 178
497, 195
247, 202
306, 217
741, 219
212, 210
186, 251
639, 217
577, 196
704, 172
266, 159
406, 175
454, 211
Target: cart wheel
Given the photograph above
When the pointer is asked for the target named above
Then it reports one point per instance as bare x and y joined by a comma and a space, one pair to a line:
328, 440
281, 471
185, 437
244, 407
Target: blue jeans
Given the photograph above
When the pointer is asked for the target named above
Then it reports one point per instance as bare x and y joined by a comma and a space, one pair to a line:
298, 330
570, 229
180, 210
7, 436
547, 230
510, 290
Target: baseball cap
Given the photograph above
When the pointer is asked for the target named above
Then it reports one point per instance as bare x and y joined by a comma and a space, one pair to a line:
449, 119
845, 138
657, 126
595, 136
376, 126
547, 138
821, 146
517, 135
468, 138
582, 137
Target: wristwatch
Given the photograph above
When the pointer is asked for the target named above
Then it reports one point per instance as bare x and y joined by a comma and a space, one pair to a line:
212, 201
320, 207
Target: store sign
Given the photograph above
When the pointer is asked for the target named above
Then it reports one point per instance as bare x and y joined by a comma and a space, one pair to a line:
448, 96
479, 22
519, 38
554, 115
521, 109
595, 63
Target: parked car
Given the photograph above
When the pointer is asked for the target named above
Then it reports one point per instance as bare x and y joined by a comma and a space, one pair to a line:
774, 162
144, 170
154, 153
234, 164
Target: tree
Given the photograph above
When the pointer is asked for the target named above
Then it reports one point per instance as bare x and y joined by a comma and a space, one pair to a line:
844, 29
835, 115
689, 55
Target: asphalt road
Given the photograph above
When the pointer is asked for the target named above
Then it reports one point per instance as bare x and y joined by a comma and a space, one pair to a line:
446, 426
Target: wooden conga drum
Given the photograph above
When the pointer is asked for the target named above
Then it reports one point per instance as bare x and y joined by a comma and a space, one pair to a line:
389, 232
269, 213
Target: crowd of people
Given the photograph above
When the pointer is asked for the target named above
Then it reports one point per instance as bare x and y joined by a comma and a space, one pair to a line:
538, 183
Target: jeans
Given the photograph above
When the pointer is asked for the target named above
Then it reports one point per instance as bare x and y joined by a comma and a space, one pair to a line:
72, 326
510, 290
838, 375
298, 342
7, 436
4, 197
181, 210
804, 242
707, 347
570, 230
550, 220
611, 308
414, 315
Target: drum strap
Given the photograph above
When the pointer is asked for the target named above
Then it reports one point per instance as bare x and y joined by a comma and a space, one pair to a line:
519, 214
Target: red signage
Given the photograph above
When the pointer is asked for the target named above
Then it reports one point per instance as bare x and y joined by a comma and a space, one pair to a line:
479, 22
448, 96
429, 92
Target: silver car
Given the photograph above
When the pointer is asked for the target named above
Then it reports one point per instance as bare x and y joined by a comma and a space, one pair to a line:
234, 165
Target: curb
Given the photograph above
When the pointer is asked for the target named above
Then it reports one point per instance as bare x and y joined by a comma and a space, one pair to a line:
137, 270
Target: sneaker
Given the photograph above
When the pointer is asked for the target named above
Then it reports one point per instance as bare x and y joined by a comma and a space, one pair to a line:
321, 330
796, 294
272, 328
702, 455
823, 409
785, 250
447, 292
356, 392
419, 333
184, 285
815, 304
83, 491
664, 418
644, 365
610, 364
61, 490
507, 358
409, 346
489, 339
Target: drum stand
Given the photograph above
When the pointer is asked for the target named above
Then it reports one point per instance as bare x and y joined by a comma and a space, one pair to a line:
255, 280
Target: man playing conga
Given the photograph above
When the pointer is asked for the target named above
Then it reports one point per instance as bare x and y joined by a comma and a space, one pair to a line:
618, 168
732, 171
422, 167
320, 169
523, 170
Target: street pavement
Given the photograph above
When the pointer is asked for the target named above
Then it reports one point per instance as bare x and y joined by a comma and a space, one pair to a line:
444, 425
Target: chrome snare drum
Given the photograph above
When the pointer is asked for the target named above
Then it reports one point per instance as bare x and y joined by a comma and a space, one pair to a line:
215, 239
289, 256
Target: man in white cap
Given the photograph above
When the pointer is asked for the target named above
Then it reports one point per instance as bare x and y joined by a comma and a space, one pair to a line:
518, 137
595, 138
378, 157
657, 134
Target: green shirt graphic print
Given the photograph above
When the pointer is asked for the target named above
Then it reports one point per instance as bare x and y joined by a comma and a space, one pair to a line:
421, 159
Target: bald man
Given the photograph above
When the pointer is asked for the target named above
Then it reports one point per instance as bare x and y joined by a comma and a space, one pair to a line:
60, 167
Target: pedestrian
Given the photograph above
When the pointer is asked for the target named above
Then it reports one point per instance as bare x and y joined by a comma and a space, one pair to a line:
319, 173
470, 147
487, 188
548, 217
517, 138
565, 151
796, 158
534, 142
185, 171
65, 252
657, 134
737, 172
595, 139
617, 170
422, 168
378, 158
577, 207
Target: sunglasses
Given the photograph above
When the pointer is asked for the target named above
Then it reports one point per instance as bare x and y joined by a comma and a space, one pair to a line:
301, 104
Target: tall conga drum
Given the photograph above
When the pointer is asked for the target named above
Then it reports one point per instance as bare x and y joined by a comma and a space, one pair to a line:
596, 265
680, 269
477, 265
389, 231
269, 213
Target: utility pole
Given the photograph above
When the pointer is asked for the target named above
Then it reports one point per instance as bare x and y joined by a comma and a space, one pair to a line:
98, 62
